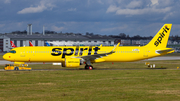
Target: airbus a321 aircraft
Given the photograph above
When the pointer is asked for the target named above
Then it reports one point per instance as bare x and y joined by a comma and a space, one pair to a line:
74, 56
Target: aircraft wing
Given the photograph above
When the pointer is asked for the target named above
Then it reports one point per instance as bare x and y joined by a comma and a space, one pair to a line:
95, 56
165, 50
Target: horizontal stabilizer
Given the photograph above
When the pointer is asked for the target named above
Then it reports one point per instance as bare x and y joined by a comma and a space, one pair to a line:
166, 50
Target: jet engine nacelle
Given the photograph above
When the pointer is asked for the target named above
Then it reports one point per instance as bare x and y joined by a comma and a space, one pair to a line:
71, 62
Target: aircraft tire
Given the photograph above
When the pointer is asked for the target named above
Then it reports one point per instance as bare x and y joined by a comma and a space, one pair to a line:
90, 67
86, 67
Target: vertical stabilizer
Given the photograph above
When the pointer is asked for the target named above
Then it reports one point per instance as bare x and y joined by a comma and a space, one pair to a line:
12, 44
161, 38
30, 44
47, 44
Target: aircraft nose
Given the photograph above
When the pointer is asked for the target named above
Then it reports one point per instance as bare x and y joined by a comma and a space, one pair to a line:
6, 57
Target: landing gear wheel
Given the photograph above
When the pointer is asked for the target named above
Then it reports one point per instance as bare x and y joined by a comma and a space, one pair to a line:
90, 67
86, 67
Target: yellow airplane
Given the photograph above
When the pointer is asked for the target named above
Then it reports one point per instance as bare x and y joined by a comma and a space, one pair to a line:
74, 56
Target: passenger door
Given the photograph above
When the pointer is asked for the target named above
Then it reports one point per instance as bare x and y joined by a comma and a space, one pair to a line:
22, 52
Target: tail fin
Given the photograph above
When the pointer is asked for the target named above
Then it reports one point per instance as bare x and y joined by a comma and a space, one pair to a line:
12, 44
47, 44
161, 38
30, 43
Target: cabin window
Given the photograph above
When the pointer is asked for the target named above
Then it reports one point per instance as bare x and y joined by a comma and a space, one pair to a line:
13, 51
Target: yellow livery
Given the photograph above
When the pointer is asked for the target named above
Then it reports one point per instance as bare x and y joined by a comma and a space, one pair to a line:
74, 56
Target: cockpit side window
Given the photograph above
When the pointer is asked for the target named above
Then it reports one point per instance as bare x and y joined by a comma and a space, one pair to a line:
12, 51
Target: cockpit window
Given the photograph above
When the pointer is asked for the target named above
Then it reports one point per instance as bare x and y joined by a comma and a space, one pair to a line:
12, 51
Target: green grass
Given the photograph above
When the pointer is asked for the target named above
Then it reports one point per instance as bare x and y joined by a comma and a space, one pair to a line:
81, 85
93, 85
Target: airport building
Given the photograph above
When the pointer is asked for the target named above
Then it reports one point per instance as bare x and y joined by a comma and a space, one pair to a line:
54, 40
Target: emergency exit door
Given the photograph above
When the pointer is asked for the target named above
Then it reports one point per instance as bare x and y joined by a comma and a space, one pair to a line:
145, 52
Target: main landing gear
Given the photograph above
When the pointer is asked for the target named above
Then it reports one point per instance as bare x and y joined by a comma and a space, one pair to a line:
88, 65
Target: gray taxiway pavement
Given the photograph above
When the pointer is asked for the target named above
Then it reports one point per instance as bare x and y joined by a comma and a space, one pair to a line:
166, 58
3, 62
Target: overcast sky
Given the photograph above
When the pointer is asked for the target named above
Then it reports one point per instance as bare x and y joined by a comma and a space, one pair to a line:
106, 17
